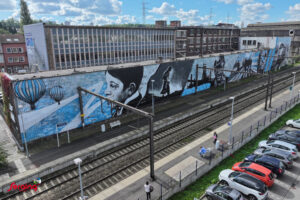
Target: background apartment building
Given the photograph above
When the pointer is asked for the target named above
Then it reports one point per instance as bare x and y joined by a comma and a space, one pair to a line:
201, 40
266, 35
54, 47
13, 54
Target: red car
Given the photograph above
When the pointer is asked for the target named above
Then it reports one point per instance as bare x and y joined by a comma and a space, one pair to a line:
258, 171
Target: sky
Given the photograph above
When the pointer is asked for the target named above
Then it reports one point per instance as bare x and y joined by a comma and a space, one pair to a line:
190, 12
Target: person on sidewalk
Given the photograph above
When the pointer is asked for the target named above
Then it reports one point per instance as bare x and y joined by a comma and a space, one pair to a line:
202, 151
147, 187
215, 137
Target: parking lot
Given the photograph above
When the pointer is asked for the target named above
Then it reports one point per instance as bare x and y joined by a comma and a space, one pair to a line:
287, 186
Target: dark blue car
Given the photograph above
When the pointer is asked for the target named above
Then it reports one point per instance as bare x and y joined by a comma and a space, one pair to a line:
275, 165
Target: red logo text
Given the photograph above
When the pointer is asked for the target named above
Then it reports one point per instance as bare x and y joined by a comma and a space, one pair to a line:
22, 187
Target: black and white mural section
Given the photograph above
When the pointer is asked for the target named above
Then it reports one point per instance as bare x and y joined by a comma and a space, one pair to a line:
48, 106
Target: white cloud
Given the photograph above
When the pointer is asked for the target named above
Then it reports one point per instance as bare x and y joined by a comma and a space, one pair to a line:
294, 12
164, 9
255, 12
81, 11
239, 2
75, 7
8, 5
243, 2
226, 1
190, 17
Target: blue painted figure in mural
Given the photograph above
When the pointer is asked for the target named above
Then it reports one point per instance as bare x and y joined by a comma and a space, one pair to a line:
122, 86
218, 69
281, 56
30, 91
166, 82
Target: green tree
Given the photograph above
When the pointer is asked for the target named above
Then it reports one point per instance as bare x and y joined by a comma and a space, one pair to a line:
24, 14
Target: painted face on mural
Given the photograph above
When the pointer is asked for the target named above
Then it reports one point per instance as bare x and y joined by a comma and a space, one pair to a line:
115, 89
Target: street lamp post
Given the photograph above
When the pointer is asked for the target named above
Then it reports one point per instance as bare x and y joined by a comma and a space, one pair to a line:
292, 89
24, 133
77, 162
152, 82
231, 121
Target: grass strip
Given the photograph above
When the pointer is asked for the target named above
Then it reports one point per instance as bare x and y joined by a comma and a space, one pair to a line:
198, 188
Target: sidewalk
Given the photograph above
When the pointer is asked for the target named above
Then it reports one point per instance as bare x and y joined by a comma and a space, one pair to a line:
168, 169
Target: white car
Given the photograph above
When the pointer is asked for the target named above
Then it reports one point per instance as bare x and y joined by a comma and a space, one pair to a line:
277, 144
293, 123
245, 183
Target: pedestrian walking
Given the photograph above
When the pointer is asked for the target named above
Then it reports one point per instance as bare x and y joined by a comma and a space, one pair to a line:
147, 187
215, 137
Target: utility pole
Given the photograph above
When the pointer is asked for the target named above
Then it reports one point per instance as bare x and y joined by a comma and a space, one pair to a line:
196, 81
270, 103
144, 11
267, 94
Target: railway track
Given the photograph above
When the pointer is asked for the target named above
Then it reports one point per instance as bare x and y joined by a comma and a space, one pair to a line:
99, 174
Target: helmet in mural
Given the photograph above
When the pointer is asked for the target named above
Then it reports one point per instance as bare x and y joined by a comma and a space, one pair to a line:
57, 93
30, 91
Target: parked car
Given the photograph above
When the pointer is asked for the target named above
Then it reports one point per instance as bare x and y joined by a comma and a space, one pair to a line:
289, 132
277, 144
222, 192
293, 123
286, 138
258, 171
250, 186
283, 156
273, 164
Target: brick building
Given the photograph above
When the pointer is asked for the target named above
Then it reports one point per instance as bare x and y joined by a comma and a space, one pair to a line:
201, 40
13, 54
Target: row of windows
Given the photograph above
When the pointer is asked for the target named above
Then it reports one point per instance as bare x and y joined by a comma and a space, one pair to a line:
108, 35
249, 42
111, 45
16, 59
14, 69
211, 40
107, 46
14, 50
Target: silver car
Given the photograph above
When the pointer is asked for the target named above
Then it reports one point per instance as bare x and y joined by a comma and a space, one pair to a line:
284, 157
277, 144
222, 192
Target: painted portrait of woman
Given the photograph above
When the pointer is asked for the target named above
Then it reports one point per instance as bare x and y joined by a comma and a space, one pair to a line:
122, 86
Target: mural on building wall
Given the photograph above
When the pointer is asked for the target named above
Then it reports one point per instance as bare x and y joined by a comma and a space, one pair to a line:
43, 103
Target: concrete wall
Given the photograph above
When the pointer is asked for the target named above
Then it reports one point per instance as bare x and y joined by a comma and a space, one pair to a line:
50, 105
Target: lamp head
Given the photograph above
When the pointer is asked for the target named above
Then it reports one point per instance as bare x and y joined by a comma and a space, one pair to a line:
231, 98
77, 161
293, 73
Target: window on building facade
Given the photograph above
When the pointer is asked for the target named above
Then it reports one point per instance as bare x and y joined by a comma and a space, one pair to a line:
10, 59
22, 59
8, 50
249, 42
15, 50
254, 42
244, 42
1, 59
16, 59
20, 50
